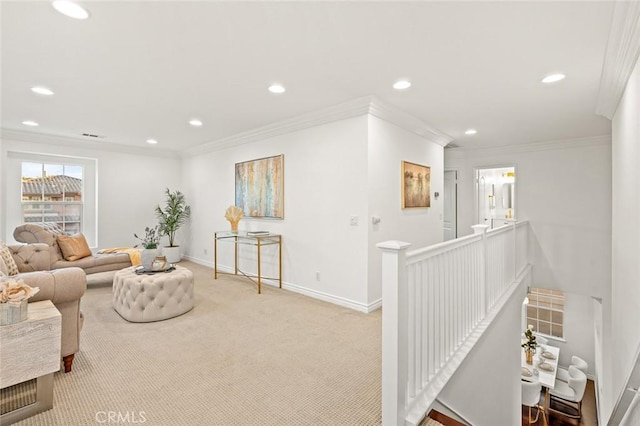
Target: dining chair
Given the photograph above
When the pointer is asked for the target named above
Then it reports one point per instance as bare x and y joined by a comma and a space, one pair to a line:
531, 398
576, 361
568, 395
541, 340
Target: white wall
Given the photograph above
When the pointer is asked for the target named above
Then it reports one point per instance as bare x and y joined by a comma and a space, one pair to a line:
325, 171
129, 186
333, 171
388, 146
625, 297
578, 331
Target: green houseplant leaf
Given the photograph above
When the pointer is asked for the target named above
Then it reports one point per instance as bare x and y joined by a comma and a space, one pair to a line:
175, 213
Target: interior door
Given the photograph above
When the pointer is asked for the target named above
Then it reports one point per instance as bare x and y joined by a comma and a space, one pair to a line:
450, 204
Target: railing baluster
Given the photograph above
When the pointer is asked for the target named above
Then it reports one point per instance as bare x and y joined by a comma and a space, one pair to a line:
411, 332
432, 319
425, 324
418, 345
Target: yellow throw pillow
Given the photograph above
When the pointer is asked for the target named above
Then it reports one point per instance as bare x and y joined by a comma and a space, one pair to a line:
73, 247
9, 263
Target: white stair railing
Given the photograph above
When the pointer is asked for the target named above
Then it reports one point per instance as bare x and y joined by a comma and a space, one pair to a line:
433, 299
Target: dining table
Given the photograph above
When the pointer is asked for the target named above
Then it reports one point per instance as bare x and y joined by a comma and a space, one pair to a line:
544, 369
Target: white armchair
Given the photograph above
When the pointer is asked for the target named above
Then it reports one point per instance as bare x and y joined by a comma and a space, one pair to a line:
568, 396
579, 363
531, 398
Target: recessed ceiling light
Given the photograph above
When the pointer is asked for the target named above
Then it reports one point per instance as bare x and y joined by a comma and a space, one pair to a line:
552, 78
30, 123
402, 84
195, 122
152, 141
277, 88
42, 90
470, 132
71, 9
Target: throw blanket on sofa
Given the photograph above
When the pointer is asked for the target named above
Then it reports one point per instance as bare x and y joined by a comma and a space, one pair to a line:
134, 253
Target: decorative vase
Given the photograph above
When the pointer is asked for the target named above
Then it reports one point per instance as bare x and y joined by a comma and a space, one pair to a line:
147, 256
529, 354
234, 225
11, 313
159, 264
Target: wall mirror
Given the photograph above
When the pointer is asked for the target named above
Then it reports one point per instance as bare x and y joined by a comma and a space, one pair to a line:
507, 195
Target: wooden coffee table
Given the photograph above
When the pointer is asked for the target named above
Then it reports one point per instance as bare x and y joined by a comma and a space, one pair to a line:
31, 350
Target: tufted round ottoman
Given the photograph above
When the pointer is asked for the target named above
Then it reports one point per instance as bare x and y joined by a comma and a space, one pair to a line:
146, 298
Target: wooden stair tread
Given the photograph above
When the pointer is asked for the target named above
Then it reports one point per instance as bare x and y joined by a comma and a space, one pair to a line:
435, 418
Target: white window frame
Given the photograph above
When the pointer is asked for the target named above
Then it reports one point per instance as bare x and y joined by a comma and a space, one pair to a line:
558, 303
67, 225
13, 186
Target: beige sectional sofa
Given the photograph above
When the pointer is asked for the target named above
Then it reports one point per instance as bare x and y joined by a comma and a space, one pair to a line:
32, 233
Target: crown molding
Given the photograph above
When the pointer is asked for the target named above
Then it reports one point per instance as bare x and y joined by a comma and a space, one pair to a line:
342, 111
623, 50
354, 108
591, 141
47, 139
407, 121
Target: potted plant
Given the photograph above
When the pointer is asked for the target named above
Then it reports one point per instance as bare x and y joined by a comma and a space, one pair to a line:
149, 243
175, 213
530, 344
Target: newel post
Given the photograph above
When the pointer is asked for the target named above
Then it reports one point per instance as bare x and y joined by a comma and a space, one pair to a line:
394, 331
482, 230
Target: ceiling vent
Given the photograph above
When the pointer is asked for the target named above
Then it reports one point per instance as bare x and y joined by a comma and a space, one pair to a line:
91, 135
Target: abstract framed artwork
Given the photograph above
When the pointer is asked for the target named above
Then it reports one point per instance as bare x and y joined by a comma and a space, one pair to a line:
260, 187
416, 185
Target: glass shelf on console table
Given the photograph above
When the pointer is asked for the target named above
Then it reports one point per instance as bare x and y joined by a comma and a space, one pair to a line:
257, 240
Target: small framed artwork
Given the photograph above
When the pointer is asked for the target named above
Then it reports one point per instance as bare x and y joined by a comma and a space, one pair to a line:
260, 187
416, 185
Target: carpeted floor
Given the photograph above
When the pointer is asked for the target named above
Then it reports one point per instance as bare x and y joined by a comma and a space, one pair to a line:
238, 358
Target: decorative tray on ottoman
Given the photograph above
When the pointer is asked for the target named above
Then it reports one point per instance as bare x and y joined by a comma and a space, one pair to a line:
140, 270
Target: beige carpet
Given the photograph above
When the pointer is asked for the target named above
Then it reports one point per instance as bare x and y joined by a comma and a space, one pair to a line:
238, 358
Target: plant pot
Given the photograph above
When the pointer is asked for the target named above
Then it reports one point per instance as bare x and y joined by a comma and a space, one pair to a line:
147, 256
172, 254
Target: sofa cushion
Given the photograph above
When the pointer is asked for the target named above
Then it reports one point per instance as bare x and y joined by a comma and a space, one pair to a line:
5, 253
31, 257
73, 247
97, 263
30, 233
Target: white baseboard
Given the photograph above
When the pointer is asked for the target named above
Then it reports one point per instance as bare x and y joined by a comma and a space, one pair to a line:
326, 297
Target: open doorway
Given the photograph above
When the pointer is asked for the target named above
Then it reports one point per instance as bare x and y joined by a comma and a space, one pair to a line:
495, 196
450, 220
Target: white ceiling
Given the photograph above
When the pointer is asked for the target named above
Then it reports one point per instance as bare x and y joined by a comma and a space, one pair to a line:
139, 70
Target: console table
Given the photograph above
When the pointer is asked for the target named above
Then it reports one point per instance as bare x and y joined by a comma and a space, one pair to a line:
31, 349
259, 241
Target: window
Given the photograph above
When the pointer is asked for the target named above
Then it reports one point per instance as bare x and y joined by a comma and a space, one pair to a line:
53, 193
545, 311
